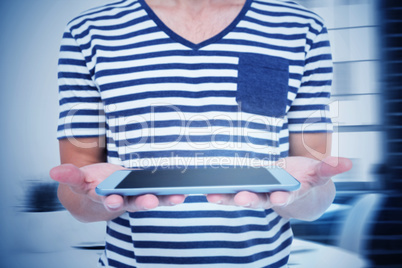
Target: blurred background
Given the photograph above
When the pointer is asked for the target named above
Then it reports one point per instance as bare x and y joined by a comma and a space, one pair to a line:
366, 218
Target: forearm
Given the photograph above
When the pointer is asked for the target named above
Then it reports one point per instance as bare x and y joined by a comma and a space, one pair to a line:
310, 206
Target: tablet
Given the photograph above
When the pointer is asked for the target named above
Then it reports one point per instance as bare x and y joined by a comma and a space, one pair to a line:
222, 180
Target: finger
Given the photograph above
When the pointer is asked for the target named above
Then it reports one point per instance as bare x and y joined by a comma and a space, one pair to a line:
70, 175
171, 200
252, 200
221, 199
332, 166
142, 202
280, 198
114, 203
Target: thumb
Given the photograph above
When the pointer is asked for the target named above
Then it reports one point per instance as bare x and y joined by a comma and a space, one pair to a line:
332, 166
70, 175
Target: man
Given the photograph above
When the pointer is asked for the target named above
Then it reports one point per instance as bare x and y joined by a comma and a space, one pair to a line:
195, 83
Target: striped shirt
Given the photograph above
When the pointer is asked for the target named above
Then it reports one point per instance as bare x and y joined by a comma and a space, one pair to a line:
162, 101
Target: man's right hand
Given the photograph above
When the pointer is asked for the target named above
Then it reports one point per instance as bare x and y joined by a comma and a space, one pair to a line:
83, 181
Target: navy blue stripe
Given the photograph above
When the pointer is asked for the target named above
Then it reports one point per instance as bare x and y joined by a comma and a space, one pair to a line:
314, 95
327, 70
317, 83
80, 125
284, 154
197, 139
105, 17
132, 45
112, 154
320, 44
206, 229
198, 124
284, 140
175, 108
119, 236
271, 35
114, 263
201, 213
278, 24
258, 44
121, 221
120, 251
171, 93
284, 14
196, 199
66, 48
317, 58
120, 37
73, 62
157, 54
77, 87
67, 35
215, 259
295, 76
110, 28
80, 99
282, 262
167, 66
310, 120
61, 137
74, 75
81, 112
213, 244
177, 38
313, 107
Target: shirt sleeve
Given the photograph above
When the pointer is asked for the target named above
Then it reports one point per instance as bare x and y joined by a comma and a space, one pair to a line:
309, 112
80, 104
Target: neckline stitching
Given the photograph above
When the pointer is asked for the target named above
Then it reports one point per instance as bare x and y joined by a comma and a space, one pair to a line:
179, 39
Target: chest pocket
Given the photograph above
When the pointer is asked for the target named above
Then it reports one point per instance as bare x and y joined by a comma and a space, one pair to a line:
263, 83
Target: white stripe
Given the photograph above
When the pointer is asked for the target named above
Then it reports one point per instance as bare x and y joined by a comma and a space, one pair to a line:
120, 42
178, 115
75, 82
168, 86
82, 132
266, 40
173, 103
73, 69
167, 73
208, 252
314, 89
205, 237
272, 30
295, 8
253, 49
70, 55
198, 160
110, 21
280, 19
167, 60
120, 258
79, 93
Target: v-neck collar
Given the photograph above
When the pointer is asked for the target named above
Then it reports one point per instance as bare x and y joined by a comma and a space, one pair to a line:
174, 36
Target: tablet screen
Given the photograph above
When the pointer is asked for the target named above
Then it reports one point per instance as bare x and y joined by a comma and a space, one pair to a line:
197, 177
